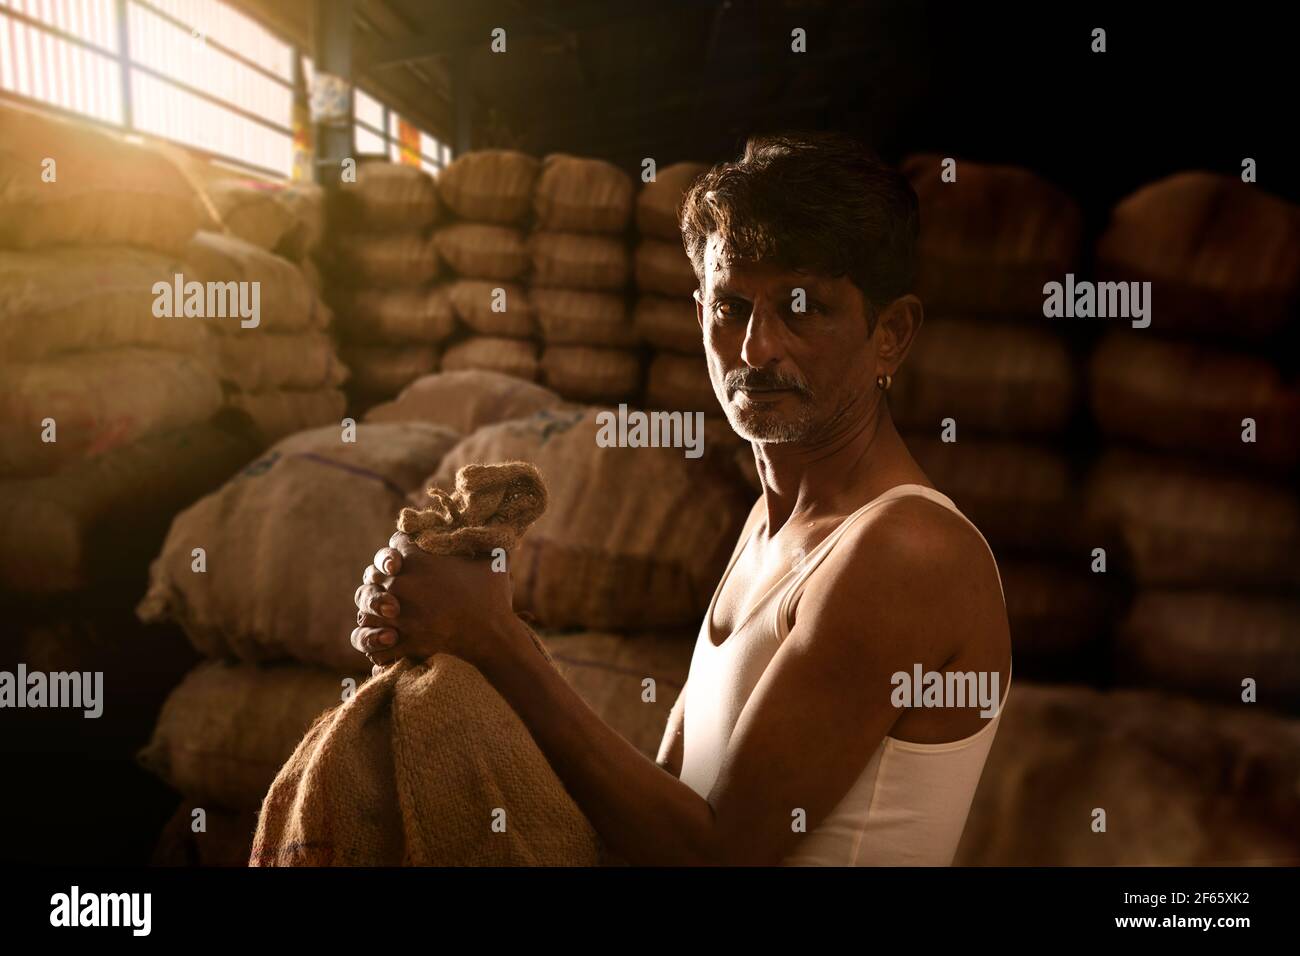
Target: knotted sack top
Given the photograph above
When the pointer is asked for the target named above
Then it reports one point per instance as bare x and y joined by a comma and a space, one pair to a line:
492, 507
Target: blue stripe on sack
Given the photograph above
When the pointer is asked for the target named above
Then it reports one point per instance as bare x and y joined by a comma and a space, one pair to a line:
363, 472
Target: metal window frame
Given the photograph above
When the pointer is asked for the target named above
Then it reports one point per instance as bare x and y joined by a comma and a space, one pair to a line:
126, 64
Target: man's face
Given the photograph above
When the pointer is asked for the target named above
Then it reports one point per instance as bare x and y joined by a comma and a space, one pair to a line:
782, 374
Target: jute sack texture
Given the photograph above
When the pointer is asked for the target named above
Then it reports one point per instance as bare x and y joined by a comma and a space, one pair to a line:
464, 401
280, 579
416, 767
103, 190
602, 557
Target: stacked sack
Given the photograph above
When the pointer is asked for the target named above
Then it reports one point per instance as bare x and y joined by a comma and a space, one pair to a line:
394, 315
1205, 432
490, 194
282, 370
986, 359
109, 409
633, 540
579, 259
1183, 783
664, 315
271, 616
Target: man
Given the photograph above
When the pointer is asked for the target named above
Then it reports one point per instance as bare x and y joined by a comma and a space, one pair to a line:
796, 738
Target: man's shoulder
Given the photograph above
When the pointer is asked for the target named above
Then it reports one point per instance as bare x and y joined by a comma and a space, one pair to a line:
916, 567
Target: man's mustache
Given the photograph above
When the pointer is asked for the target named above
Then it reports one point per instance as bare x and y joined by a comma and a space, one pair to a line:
765, 378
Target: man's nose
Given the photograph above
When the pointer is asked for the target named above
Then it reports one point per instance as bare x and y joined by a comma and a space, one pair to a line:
762, 345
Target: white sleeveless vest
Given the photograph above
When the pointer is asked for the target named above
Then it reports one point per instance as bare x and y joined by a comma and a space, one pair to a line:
908, 807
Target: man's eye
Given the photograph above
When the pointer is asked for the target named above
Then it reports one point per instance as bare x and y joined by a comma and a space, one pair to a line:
728, 309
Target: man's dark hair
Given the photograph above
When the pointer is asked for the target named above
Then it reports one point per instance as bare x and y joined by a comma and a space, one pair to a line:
817, 202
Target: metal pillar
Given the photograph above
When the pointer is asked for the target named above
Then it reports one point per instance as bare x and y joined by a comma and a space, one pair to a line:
332, 53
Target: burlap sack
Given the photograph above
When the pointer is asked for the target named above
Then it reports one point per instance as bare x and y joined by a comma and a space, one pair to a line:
399, 315
413, 771
1001, 378
1059, 614
575, 194
399, 259
286, 300
572, 260
669, 323
227, 728
680, 382
610, 672
384, 370
264, 597
1183, 783
990, 240
634, 538
664, 268
103, 189
1209, 642
1222, 256
473, 301
418, 767
1023, 497
517, 357
251, 210
1183, 524
306, 204
658, 204
1155, 393
278, 412
569, 317
258, 361
490, 185
391, 197
585, 374
74, 298
98, 401
102, 520
464, 401
476, 251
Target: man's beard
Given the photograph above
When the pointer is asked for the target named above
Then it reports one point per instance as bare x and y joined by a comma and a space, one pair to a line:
769, 425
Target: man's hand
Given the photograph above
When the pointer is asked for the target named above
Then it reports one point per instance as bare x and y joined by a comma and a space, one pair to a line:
415, 604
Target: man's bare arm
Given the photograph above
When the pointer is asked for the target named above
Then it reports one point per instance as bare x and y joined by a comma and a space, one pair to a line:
885, 600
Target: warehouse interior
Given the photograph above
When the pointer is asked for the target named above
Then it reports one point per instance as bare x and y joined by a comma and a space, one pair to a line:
393, 168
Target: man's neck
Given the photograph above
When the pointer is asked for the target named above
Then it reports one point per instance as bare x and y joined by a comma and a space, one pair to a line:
801, 478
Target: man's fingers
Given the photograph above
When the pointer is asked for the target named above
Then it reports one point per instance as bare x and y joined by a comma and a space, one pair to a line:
372, 575
373, 599
388, 560
373, 620
371, 640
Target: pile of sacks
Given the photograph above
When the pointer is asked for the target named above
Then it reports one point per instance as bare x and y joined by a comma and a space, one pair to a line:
987, 400
490, 194
1202, 427
633, 541
280, 367
383, 273
1181, 783
578, 283
110, 414
664, 315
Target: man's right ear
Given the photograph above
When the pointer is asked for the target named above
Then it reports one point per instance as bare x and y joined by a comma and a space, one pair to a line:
699, 308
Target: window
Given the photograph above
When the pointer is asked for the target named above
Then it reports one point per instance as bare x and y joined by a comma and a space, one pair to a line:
381, 131
196, 72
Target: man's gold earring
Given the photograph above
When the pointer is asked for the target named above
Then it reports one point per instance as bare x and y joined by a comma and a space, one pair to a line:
884, 381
